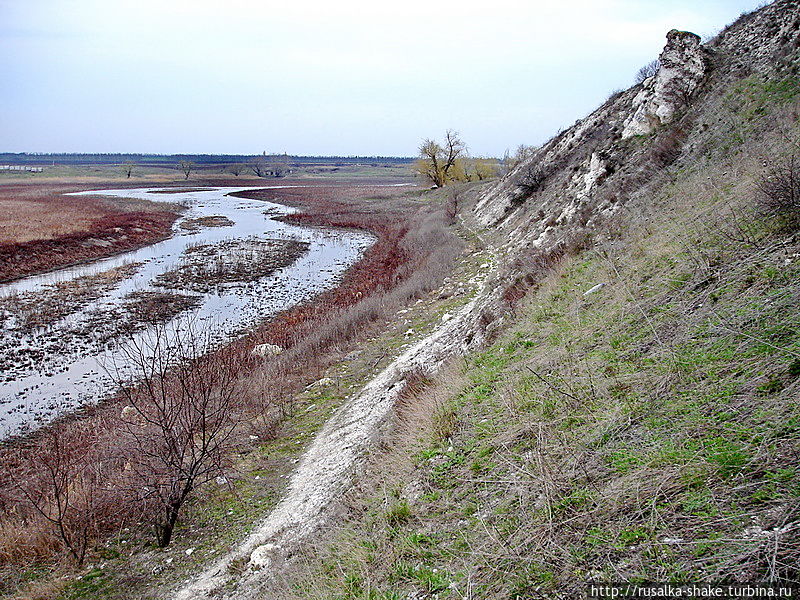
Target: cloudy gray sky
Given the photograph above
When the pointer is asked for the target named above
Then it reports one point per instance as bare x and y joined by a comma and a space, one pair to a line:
339, 77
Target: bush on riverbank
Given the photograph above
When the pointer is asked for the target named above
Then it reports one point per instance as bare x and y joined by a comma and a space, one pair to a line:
414, 251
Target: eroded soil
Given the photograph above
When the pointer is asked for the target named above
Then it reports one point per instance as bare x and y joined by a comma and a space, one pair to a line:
210, 221
205, 267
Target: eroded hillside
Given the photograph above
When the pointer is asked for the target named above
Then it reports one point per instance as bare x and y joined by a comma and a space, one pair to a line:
619, 402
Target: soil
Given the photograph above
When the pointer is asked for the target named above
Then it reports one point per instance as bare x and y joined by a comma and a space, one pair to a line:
211, 221
205, 267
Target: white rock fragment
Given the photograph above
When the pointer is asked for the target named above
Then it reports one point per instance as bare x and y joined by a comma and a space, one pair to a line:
128, 413
594, 289
267, 350
260, 557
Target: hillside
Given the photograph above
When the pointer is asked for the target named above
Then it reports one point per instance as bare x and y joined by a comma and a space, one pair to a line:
618, 402
584, 371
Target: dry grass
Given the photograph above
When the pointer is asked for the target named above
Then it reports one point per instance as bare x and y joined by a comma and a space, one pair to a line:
411, 257
42, 229
647, 431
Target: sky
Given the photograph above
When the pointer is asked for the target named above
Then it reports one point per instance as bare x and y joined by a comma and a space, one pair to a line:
346, 77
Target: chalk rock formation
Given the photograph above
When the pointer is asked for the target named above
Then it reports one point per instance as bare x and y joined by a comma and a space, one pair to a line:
683, 66
267, 350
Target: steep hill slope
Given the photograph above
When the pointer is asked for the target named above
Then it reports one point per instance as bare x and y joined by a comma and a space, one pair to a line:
626, 408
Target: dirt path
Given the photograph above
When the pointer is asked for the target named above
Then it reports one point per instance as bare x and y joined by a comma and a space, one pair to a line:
327, 468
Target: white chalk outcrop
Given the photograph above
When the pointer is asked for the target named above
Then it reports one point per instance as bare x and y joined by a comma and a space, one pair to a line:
681, 71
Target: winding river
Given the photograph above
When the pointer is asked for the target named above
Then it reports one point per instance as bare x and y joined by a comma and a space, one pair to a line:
52, 368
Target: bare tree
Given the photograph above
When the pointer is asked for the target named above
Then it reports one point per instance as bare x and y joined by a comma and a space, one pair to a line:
279, 166
236, 169
179, 419
436, 160
64, 486
186, 166
128, 169
779, 190
259, 167
648, 70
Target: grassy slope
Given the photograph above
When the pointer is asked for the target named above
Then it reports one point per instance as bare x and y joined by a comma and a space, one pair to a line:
131, 567
128, 565
647, 431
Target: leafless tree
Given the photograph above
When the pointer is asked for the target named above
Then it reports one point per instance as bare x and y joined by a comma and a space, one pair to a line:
179, 420
186, 166
779, 189
65, 485
259, 167
279, 167
236, 169
648, 70
128, 169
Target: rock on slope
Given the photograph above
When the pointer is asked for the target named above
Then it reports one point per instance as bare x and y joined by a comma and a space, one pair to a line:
545, 207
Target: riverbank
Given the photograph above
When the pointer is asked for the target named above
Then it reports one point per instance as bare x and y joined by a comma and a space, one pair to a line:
410, 259
241, 268
42, 229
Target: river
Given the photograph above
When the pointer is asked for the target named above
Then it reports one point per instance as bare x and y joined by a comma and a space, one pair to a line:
58, 329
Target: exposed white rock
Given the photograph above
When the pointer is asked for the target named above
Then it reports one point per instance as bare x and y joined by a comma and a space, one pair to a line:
682, 68
594, 289
266, 350
128, 413
261, 556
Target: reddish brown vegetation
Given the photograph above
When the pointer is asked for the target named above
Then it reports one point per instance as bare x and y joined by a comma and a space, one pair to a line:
382, 267
413, 252
42, 229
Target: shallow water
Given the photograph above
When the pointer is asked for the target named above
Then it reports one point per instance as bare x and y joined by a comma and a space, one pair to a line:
69, 354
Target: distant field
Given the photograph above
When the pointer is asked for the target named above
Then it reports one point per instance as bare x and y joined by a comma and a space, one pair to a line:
74, 167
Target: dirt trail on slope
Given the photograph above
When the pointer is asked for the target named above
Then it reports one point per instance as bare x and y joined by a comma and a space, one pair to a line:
326, 469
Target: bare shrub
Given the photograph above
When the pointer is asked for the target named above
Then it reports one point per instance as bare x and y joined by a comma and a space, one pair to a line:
779, 190
648, 70
65, 487
178, 422
531, 180
669, 145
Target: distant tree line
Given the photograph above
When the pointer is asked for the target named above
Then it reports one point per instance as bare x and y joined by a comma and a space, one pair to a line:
169, 160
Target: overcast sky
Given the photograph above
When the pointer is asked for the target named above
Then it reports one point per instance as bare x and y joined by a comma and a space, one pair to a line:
339, 77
